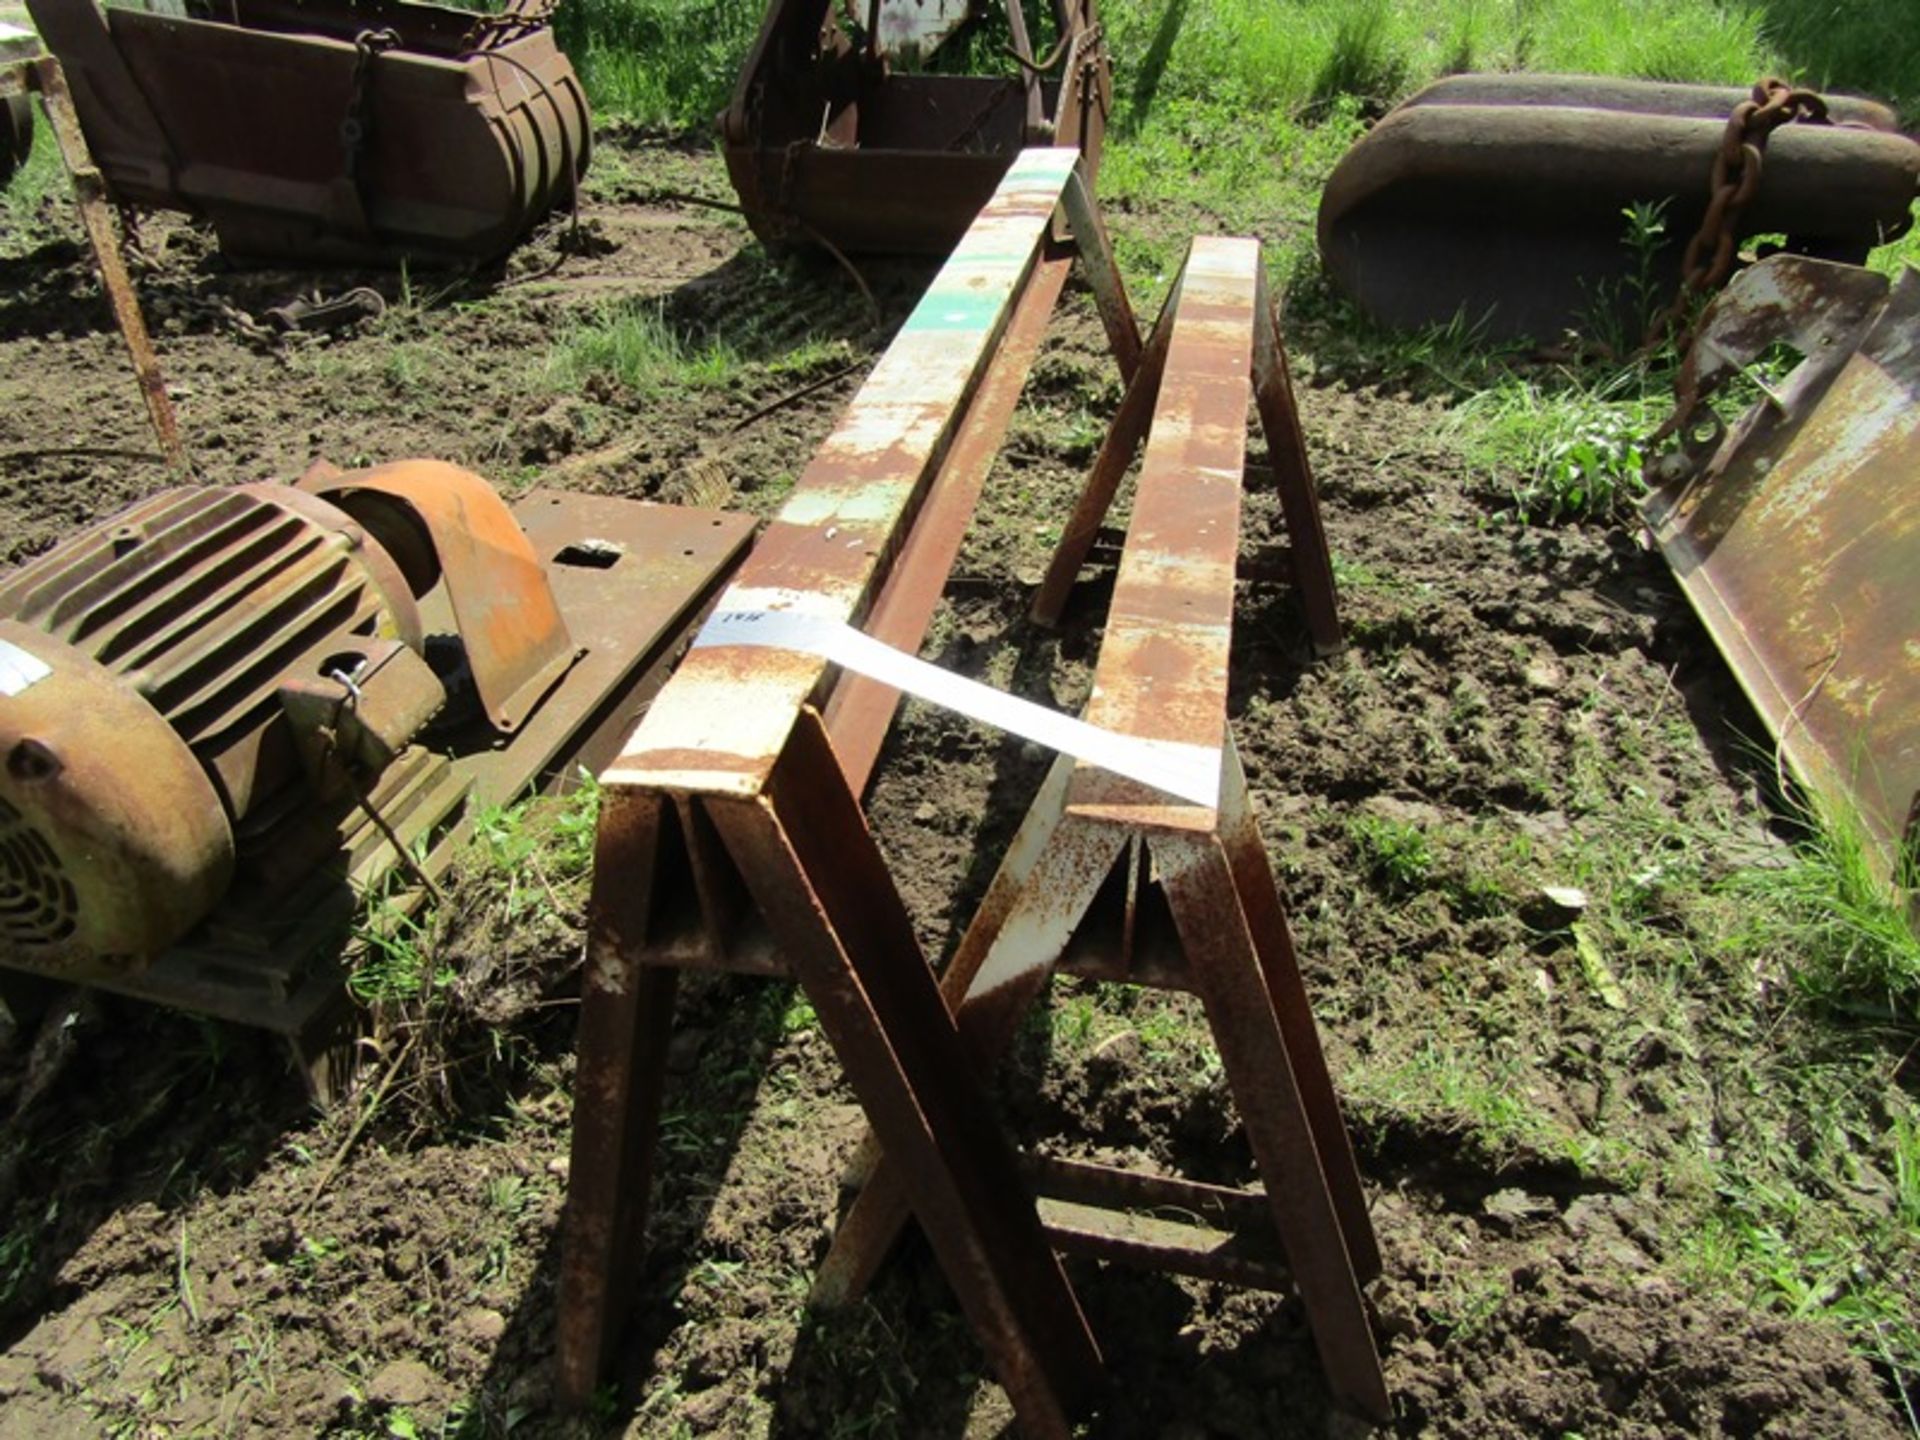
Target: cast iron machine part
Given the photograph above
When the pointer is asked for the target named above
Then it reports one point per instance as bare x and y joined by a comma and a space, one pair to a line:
226, 713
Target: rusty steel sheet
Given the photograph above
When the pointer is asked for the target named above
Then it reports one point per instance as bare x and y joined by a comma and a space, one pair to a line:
1796, 533
830, 141
731, 834
1498, 198
337, 132
1161, 675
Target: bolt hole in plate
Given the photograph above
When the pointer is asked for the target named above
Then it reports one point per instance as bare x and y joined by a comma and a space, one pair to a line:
593, 554
343, 662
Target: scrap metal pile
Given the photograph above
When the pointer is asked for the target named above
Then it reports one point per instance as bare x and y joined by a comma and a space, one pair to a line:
833, 139
1499, 198
226, 714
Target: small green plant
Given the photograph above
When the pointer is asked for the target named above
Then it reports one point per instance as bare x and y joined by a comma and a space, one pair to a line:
1396, 852
392, 965
1563, 449
1622, 309
1594, 473
553, 839
1646, 237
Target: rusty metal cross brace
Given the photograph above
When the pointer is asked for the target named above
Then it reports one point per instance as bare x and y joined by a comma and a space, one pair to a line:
731, 835
1095, 842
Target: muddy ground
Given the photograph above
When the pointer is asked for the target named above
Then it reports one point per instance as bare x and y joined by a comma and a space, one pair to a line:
180, 1255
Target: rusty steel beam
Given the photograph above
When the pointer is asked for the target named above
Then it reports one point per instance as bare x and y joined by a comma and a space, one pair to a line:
732, 834
814, 870
1310, 564
1293, 478
861, 709
1116, 454
1161, 676
722, 723
1794, 534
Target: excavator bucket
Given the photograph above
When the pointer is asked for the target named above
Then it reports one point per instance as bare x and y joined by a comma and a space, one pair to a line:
831, 139
1499, 198
1796, 535
356, 131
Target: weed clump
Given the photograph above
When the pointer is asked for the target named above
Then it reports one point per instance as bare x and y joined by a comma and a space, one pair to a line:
636, 345
449, 981
1835, 921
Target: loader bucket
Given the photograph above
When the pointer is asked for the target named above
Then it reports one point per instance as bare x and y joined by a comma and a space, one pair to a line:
1499, 198
829, 140
1797, 534
355, 131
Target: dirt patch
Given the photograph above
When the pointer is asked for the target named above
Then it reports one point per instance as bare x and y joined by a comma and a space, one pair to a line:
1517, 708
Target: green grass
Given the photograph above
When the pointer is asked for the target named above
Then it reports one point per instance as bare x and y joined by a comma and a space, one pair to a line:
36, 183
663, 62
1395, 852
1565, 445
1254, 55
539, 847
1865, 46
633, 342
1829, 918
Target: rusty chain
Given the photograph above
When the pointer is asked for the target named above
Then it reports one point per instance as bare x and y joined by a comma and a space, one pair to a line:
353, 125
1709, 255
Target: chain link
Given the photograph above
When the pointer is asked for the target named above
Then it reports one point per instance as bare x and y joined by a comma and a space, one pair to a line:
353, 125
1709, 255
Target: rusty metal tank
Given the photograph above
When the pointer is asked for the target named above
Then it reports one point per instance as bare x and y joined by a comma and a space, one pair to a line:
325, 130
834, 136
1499, 198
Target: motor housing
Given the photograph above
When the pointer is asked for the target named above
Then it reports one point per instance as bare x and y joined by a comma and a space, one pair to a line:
178, 680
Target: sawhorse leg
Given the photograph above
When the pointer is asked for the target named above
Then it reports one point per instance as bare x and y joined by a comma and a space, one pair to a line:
816, 875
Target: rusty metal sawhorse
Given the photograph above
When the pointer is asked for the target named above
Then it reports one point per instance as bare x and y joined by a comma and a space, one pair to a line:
731, 835
27, 69
1110, 878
